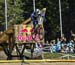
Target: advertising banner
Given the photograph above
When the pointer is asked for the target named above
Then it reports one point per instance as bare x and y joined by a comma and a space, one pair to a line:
26, 34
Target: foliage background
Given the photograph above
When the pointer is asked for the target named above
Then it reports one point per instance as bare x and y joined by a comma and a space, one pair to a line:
20, 10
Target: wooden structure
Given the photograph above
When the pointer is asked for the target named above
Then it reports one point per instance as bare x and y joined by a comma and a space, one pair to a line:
8, 42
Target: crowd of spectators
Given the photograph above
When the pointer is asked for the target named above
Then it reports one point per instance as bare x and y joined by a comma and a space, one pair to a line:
62, 45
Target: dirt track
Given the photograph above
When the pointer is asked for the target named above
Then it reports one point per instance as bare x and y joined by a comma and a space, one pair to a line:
44, 63
3, 57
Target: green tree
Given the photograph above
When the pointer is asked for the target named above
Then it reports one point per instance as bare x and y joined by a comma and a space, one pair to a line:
2, 11
19, 10
15, 12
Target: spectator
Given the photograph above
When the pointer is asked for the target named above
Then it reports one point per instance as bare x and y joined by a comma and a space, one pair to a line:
58, 45
53, 48
63, 45
66, 49
70, 45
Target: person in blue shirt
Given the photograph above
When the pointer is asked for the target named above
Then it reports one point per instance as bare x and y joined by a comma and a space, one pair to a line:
70, 45
58, 46
53, 48
34, 17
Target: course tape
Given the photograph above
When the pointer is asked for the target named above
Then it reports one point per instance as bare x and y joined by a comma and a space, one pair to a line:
45, 60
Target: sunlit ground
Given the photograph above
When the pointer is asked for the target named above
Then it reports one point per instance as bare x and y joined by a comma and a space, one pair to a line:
43, 63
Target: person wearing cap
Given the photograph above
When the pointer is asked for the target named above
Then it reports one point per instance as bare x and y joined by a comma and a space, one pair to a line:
34, 17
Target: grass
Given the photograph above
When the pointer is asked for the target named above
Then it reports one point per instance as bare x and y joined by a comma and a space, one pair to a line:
52, 55
48, 55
